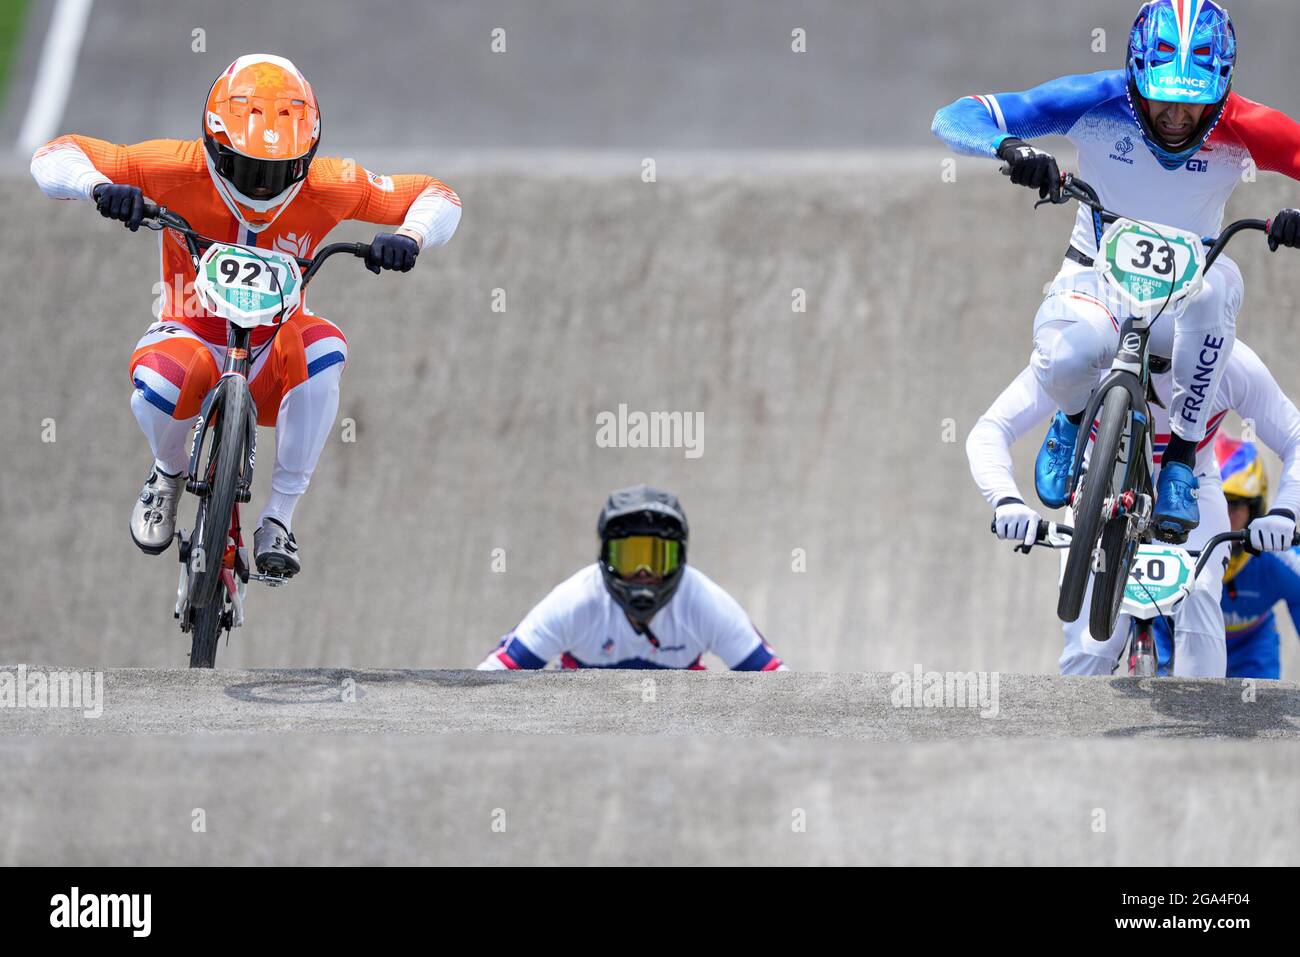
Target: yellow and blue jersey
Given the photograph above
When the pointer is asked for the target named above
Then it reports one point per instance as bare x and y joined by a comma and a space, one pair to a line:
1249, 601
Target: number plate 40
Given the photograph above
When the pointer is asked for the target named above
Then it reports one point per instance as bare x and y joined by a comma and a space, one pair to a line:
1160, 579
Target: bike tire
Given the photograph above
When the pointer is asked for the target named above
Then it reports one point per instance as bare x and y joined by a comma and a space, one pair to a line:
205, 634
225, 461
1108, 588
1097, 486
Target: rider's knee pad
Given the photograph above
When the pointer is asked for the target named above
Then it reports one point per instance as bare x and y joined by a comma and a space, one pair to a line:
1215, 307
174, 374
1068, 359
307, 349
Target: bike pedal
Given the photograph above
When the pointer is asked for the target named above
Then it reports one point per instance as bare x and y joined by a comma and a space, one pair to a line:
1171, 535
274, 581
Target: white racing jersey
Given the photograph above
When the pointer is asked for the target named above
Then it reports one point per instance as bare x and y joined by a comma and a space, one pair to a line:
1248, 389
580, 624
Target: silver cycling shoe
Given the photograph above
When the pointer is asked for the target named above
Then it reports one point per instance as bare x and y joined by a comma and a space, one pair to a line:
275, 550
153, 520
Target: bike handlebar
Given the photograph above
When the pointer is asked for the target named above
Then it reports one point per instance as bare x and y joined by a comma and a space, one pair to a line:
1073, 188
196, 242
1054, 535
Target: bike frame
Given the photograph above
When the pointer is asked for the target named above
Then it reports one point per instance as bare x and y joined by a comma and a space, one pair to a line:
238, 361
1130, 368
1114, 499
235, 375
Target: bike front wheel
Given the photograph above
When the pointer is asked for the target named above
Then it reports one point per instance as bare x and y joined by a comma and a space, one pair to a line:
206, 625
1118, 549
221, 474
1101, 482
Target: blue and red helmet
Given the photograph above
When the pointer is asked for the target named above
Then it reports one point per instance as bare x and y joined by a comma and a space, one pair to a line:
1180, 51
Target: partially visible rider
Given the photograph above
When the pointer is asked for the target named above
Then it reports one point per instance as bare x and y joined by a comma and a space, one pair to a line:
1256, 580
639, 606
1250, 390
1175, 98
253, 177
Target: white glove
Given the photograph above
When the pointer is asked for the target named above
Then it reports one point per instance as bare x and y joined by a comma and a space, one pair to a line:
1272, 532
1014, 521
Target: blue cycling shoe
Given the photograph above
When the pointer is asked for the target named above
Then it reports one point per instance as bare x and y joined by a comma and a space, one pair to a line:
1177, 511
1055, 459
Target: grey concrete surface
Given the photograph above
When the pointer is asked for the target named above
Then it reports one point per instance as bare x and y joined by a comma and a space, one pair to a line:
877, 706
338, 767
316, 799
616, 75
837, 431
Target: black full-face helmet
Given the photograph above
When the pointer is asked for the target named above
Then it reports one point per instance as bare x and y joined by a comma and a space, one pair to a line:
643, 535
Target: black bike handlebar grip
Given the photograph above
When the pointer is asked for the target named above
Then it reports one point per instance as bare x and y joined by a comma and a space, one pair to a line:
151, 211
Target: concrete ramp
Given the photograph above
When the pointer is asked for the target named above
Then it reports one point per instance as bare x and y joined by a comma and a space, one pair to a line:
906, 706
455, 768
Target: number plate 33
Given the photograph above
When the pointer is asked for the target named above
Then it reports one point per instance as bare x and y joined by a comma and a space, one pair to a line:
1151, 268
248, 287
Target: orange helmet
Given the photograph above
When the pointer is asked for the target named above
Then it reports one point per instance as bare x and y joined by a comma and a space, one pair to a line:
261, 127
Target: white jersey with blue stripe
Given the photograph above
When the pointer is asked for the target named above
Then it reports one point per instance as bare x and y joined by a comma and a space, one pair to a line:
1248, 388
580, 624
1093, 111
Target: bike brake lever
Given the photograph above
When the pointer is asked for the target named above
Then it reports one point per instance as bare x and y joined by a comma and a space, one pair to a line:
1060, 199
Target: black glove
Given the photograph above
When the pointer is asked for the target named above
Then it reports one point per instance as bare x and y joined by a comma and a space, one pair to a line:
1285, 230
1031, 167
390, 251
116, 201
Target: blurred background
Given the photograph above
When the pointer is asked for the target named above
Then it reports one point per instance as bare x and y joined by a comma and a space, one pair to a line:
832, 497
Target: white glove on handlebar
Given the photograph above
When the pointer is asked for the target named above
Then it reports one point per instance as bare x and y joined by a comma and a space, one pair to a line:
1272, 532
1016, 522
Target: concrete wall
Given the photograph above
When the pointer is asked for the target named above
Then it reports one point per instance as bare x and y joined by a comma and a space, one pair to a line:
826, 431
684, 74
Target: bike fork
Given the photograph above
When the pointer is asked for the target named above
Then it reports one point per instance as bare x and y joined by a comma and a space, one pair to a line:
1142, 660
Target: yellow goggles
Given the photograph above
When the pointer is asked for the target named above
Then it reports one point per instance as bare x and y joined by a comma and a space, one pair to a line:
646, 554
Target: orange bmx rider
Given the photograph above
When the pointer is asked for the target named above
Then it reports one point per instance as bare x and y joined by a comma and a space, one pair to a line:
252, 178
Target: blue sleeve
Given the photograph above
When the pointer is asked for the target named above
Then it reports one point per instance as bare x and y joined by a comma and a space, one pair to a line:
977, 125
761, 658
1285, 581
521, 656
